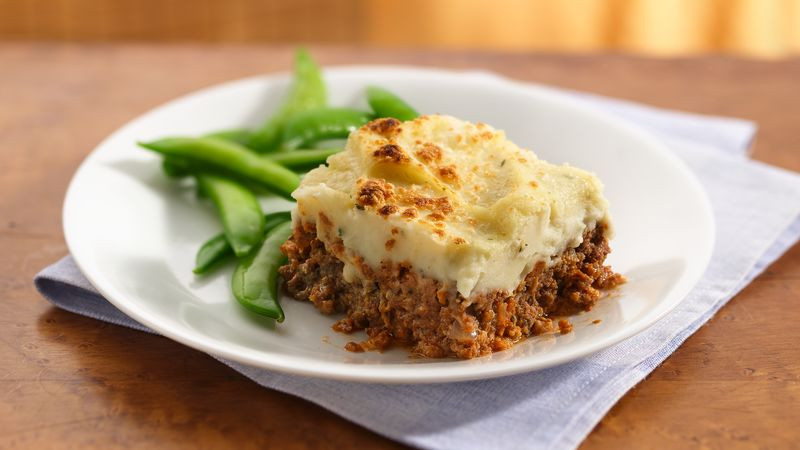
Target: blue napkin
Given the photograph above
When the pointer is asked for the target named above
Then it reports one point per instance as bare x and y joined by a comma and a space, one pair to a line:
757, 216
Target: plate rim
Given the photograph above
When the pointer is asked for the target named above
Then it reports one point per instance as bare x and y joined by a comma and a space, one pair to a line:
371, 373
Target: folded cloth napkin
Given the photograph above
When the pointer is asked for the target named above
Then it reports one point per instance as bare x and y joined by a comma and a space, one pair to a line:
757, 216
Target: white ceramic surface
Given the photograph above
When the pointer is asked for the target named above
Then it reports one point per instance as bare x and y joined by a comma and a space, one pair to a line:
134, 233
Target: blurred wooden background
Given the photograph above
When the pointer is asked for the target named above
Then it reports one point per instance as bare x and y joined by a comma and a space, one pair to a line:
760, 28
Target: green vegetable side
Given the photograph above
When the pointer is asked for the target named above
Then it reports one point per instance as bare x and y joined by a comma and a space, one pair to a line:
255, 280
238, 209
305, 128
234, 167
308, 92
386, 104
218, 249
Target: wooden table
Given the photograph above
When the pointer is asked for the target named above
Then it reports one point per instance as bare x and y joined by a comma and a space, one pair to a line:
69, 381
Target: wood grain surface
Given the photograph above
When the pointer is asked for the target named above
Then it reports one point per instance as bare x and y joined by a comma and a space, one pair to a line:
762, 28
67, 381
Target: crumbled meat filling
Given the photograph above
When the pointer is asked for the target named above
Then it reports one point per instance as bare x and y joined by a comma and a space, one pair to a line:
396, 304
354, 347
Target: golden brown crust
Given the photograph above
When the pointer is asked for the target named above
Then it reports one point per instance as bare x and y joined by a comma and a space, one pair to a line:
374, 193
449, 174
410, 213
385, 127
429, 153
437, 204
391, 153
387, 210
436, 216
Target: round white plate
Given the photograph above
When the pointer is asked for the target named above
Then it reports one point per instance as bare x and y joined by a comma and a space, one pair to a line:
134, 233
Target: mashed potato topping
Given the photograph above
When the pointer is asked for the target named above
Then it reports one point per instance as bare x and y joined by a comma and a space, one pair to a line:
457, 201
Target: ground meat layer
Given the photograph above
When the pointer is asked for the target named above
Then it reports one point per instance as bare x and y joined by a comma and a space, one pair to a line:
395, 305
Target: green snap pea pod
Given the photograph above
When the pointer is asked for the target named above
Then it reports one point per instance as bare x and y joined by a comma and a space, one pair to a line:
229, 158
387, 104
239, 135
300, 159
255, 280
211, 253
303, 159
217, 249
305, 128
175, 168
307, 92
238, 209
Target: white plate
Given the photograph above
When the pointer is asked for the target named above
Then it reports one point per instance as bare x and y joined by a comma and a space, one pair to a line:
134, 233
